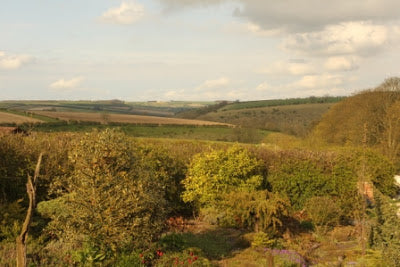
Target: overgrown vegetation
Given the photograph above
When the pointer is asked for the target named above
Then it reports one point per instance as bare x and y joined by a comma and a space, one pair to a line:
106, 198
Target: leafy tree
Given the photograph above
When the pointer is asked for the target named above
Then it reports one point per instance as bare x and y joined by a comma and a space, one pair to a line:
213, 174
377, 109
112, 198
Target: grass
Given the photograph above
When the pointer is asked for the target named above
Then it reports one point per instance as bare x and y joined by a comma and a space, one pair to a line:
10, 118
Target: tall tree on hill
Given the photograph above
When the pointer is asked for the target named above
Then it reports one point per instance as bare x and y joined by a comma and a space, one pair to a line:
378, 109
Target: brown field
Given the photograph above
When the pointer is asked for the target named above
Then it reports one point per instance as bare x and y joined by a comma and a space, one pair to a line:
6, 117
123, 118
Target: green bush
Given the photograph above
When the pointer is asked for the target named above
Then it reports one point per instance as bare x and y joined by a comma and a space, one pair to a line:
300, 180
113, 200
323, 211
213, 174
257, 210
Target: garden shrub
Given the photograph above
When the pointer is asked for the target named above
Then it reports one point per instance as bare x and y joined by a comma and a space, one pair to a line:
113, 200
213, 174
257, 210
323, 211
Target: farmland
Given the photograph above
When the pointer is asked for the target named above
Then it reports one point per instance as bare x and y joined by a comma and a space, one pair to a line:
122, 118
6, 117
152, 108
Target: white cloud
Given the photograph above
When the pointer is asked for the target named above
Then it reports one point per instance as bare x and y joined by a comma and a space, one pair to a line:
359, 38
308, 15
67, 85
259, 31
12, 62
308, 85
319, 81
288, 68
126, 13
212, 84
341, 64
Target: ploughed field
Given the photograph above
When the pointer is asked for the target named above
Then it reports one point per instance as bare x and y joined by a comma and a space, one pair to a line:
6, 117
124, 118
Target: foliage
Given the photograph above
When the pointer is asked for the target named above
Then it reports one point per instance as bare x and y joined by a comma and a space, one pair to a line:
211, 175
385, 233
257, 210
300, 180
112, 199
188, 257
283, 102
370, 117
302, 175
290, 119
212, 133
11, 217
323, 211
261, 239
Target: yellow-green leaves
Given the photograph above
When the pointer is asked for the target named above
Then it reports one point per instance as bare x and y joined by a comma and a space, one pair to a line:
213, 174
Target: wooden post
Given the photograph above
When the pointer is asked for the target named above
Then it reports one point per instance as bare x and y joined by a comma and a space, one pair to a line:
21, 239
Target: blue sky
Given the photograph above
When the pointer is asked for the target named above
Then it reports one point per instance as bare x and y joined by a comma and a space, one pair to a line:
195, 49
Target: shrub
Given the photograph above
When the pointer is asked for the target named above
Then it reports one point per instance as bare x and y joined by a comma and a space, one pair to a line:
213, 174
300, 180
257, 210
112, 200
323, 211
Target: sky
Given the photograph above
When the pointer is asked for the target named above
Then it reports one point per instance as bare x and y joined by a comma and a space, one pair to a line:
141, 50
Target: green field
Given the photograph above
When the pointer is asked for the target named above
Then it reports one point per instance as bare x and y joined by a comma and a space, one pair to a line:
211, 133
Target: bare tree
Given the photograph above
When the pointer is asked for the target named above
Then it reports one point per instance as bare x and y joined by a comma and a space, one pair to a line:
21, 239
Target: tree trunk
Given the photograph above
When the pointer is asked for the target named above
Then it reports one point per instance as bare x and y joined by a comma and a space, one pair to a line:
21, 239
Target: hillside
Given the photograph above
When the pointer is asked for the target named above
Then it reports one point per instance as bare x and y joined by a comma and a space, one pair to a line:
291, 119
295, 116
151, 108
